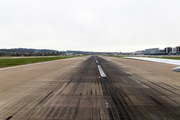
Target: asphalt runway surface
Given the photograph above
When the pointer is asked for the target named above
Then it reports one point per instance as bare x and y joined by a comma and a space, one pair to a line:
77, 89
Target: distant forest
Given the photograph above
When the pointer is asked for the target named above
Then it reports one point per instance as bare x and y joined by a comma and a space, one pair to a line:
28, 52
41, 52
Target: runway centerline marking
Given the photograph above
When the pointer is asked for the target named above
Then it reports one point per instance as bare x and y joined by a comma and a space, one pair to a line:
106, 103
96, 60
101, 71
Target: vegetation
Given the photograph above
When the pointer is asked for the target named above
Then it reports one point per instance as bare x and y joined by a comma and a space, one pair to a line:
164, 57
21, 61
29, 52
114, 56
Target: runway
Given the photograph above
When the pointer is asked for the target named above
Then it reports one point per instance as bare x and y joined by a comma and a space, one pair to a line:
88, 88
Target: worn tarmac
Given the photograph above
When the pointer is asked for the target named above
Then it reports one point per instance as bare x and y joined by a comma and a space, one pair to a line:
73, 89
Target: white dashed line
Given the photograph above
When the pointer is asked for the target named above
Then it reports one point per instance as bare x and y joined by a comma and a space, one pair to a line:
101, 71
96, 60
106, 103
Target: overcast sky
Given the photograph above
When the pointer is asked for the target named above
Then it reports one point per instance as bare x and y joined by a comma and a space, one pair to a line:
90, 25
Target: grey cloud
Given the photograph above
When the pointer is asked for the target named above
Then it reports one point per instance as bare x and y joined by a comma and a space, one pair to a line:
118, 25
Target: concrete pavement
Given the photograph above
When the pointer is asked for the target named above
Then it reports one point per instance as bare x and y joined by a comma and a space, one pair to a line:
78, 89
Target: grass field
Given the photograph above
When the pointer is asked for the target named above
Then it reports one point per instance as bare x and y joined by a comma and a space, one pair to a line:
176, 58
114, 56
22, 61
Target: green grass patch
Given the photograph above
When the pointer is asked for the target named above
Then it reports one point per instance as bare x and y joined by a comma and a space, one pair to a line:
22, 61
175, 58
114, 56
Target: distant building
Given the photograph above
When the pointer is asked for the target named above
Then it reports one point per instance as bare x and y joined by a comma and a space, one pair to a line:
127, 53
151, 51
168, 50
177, 50
139, 52
69, 54
174, 50
161, 51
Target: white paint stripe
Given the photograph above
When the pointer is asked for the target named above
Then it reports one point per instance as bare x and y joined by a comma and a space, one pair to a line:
106, 103
161, 60
101, 71
167, 61
96, 61
38, 63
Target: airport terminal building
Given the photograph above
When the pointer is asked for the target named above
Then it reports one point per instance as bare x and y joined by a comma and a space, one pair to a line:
151, 51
